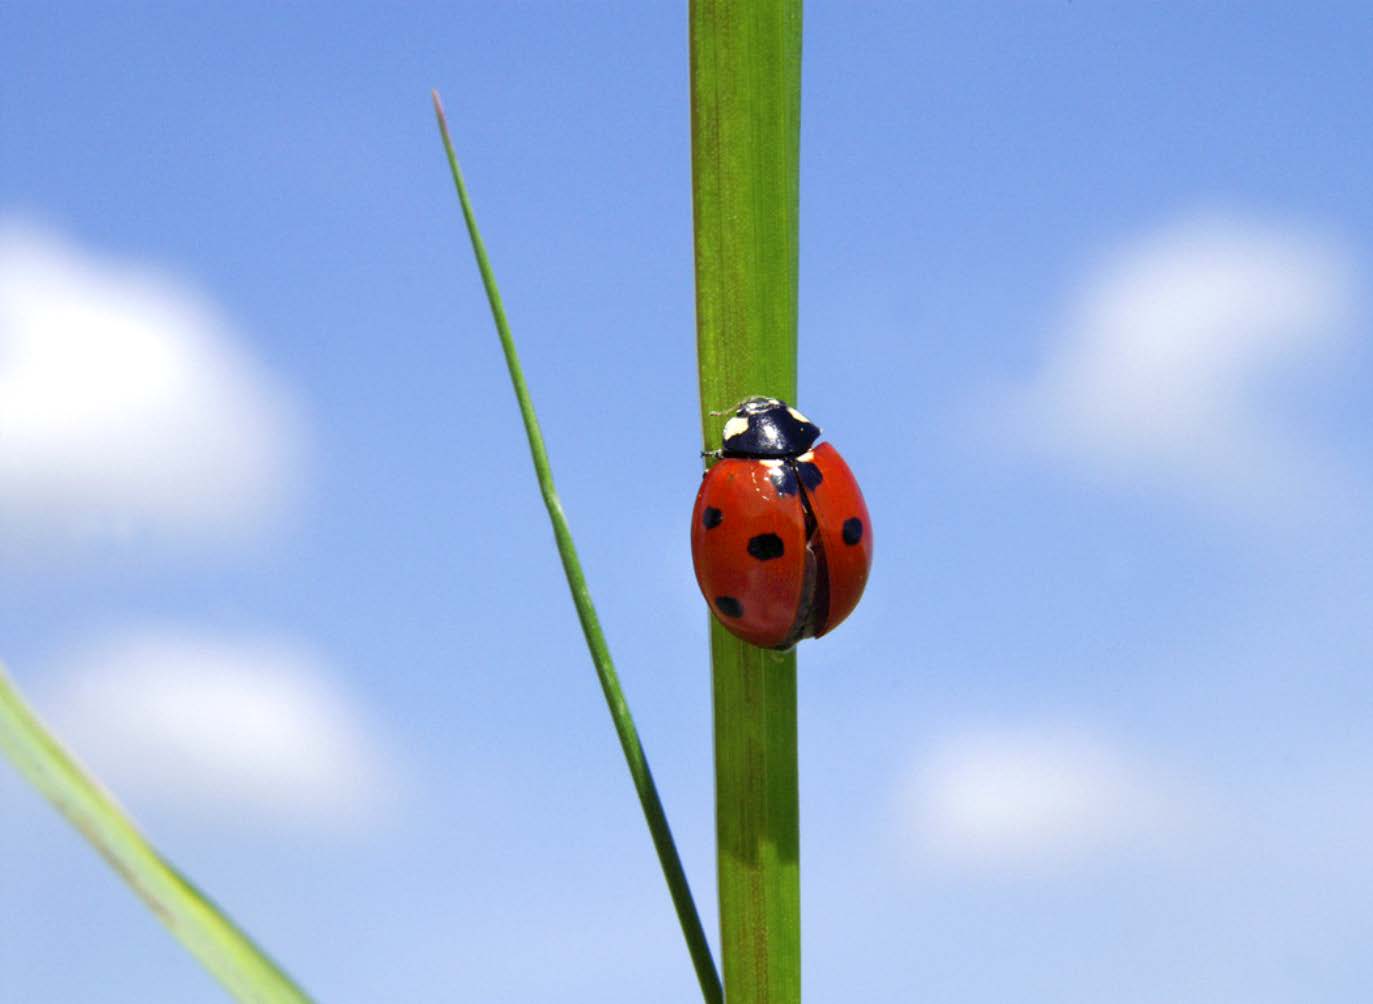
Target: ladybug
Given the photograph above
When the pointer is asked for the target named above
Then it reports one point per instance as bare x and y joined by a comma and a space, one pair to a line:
780, 535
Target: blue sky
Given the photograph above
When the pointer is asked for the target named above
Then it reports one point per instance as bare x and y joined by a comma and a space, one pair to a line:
1084, 302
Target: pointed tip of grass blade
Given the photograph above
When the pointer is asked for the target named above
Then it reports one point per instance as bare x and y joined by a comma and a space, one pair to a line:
442, 117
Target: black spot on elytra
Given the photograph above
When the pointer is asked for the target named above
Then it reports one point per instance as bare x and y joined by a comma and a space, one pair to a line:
729, 606
765, 546
783, 479
853, 530
711, 518
810, 476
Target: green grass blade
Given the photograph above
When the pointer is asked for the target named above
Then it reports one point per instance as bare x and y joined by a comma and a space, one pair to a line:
745, 130
652, 805
220, 946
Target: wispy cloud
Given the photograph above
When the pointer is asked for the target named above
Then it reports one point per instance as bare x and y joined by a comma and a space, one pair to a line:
224, 728
1169, 367
1028, 798
127, 403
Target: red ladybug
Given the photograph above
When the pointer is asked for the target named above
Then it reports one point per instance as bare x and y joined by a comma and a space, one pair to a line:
780, 535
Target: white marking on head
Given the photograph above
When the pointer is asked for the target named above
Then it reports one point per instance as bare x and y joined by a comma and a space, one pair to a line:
806, 457
770, 464
736, 426
798, 416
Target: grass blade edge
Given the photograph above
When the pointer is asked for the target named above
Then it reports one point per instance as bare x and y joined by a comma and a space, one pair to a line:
654, 814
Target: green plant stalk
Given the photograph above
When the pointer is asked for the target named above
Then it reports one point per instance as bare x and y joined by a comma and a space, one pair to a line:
652, 805
745, 129
220, 946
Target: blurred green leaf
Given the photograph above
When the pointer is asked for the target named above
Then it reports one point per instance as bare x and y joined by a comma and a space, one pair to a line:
222, 947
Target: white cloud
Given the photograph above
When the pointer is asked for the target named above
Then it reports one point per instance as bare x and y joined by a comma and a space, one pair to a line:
126, 403
225, 728
1029, 798
1169, 368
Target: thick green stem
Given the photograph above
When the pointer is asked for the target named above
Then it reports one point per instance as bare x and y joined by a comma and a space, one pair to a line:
756, 821
745, 117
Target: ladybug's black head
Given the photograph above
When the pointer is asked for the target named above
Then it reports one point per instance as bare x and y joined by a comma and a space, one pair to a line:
767, 427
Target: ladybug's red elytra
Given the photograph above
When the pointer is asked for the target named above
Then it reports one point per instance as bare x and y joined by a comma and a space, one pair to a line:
780, 535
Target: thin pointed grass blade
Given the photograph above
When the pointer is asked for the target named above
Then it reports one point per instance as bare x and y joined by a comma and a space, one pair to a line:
219, 945
652, 805
745, 133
